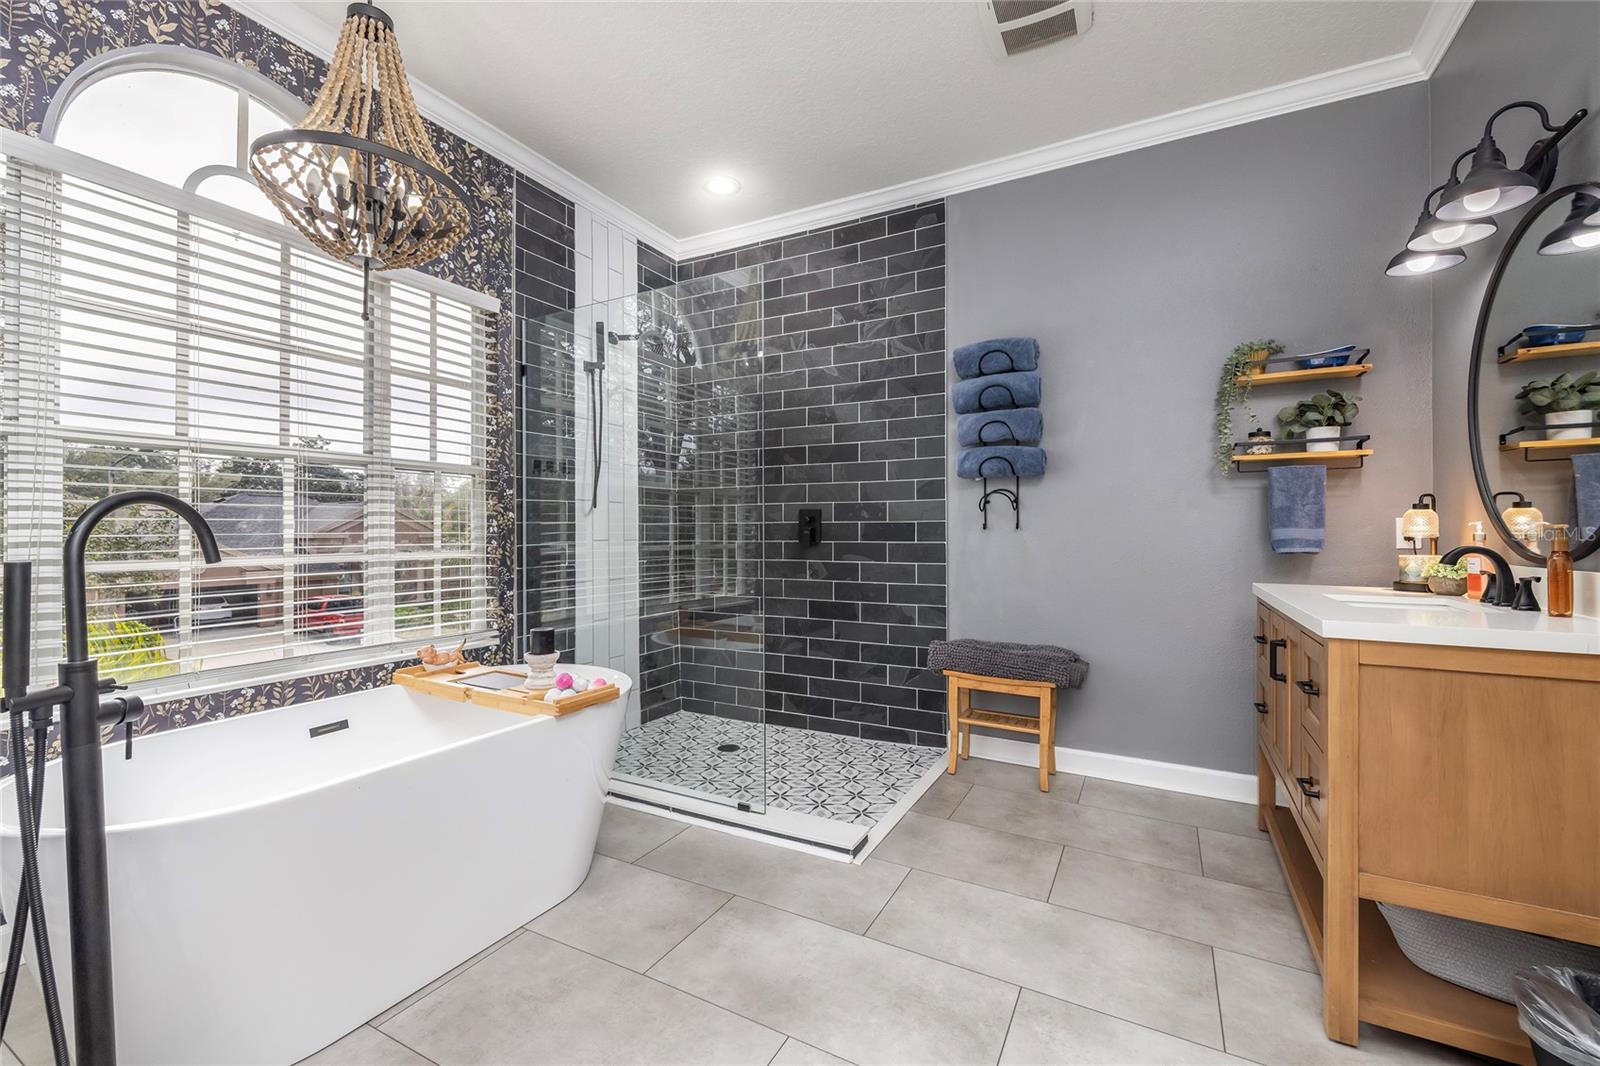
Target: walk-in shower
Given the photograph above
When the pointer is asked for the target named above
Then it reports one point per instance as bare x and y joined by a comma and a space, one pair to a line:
659, 517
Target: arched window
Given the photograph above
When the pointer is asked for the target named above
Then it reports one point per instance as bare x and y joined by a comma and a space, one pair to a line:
187, 128
162, 327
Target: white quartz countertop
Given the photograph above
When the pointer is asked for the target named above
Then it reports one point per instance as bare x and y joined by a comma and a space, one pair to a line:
1350, 612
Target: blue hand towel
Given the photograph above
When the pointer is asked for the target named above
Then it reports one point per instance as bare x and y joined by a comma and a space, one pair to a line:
998, 356
1586, 493
995, 392
1005, 461
1022, 426
1295, 506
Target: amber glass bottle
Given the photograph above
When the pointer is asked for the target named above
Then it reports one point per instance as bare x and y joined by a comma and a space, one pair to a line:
1559, 579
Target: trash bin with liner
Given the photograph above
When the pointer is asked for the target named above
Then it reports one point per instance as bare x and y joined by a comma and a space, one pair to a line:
1559, 1009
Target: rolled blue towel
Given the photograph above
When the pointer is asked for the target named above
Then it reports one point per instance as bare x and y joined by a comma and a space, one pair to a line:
1295, 508
1586, 493
995, 392
1003, 461
1025, 425
998, 356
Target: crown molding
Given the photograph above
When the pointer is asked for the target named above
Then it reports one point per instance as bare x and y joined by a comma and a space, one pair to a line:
1433, 38
1438, 30
295, 23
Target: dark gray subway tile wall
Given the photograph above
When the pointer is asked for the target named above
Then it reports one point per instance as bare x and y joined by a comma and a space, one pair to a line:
546, 520
852, 366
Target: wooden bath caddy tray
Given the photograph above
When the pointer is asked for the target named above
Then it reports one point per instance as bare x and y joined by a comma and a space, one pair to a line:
447, 684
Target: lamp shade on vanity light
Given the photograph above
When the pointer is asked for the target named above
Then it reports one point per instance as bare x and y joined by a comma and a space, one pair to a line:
1440, 235
1522, 518
1490, 187
1580, 232
1409, 264
1421, 522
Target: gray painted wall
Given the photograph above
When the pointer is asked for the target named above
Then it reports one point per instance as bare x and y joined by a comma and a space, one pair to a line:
1477, 76
1138, 273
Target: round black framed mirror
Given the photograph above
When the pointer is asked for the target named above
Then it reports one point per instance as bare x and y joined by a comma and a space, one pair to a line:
1522, 375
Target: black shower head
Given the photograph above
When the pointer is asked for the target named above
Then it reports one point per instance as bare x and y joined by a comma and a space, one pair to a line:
671, 341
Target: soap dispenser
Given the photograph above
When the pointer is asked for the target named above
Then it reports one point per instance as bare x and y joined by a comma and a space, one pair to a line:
1559, 596
1475, 575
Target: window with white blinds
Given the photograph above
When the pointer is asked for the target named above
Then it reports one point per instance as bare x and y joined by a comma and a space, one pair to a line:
155, 339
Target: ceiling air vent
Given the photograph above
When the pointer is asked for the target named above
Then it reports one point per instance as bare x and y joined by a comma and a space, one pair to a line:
1017, 25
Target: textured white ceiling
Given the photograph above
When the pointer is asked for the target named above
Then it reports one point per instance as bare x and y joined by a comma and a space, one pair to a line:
810, 102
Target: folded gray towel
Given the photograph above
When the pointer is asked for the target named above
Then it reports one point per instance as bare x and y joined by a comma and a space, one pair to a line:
998, 658
1025, 425
1008, 461
1295, 503
995, 392
998, 356
1586, 494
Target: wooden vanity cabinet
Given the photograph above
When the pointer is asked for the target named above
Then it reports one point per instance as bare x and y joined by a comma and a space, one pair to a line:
1457, 781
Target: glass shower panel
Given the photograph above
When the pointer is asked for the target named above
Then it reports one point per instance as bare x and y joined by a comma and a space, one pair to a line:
664, 568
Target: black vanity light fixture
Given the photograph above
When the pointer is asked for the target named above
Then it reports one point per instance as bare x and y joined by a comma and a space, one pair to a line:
1491, 187
359, 176
1581, 231
1409, 264
1434, 234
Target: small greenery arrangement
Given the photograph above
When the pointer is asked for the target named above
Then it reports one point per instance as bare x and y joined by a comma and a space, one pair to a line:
1331, 408
1450, 571
1233, 390
1564, 393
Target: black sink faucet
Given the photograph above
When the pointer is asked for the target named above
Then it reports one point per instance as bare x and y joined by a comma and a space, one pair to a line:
1505, 582
88, 893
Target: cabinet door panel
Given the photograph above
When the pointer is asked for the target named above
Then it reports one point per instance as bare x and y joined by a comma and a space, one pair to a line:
1308, 684
1482, 783
1311, 787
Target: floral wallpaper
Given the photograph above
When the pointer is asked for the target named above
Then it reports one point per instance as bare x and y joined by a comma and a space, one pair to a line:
43, 41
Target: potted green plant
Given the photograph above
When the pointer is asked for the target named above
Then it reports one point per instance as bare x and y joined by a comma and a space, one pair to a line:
1233, 390
1566, 404
1321, 419
1446, 580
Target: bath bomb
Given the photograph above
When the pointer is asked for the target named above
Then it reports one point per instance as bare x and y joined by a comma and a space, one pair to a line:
553, 695
579, 685
563, 681
598, 682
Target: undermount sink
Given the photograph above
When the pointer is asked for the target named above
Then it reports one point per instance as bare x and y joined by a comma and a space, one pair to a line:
1398, 602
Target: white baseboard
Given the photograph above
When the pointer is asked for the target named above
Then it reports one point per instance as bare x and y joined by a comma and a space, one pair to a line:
1172, 776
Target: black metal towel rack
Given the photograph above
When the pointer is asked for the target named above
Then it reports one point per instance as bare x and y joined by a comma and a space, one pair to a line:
1012, 495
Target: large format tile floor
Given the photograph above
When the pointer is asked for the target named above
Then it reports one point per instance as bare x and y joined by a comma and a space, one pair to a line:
1101, 923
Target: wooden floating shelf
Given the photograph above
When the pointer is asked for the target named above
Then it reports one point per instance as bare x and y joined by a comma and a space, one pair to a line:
1554, 447
1276, 377
1307, 457
1552, 351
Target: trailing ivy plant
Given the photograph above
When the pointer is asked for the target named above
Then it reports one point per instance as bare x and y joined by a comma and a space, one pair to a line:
1233, 390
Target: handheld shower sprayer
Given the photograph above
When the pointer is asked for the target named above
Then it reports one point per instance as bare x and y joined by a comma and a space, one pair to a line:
77, 693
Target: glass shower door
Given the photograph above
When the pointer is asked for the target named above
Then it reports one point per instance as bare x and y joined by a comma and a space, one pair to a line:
663, 470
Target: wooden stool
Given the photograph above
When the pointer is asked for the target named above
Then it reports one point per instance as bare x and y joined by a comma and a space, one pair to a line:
963, 716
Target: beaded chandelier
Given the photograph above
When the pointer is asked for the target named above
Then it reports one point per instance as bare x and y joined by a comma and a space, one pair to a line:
359, 176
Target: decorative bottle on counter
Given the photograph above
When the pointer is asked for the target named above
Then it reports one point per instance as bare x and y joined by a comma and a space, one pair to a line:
1475, 575
541, 658
1558, 600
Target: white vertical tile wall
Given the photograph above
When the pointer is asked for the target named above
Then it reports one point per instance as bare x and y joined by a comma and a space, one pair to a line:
607, 609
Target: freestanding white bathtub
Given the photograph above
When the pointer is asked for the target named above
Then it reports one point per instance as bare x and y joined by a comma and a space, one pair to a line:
273, 885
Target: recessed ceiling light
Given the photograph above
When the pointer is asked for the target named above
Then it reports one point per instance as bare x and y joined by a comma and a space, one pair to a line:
722, 185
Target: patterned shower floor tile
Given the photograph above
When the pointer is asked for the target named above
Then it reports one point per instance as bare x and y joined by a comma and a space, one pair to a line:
844, 778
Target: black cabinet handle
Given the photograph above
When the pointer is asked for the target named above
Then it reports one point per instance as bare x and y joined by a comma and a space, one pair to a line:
1272, 659
1261, 708
1259, 639
1306, 790
1308, 687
